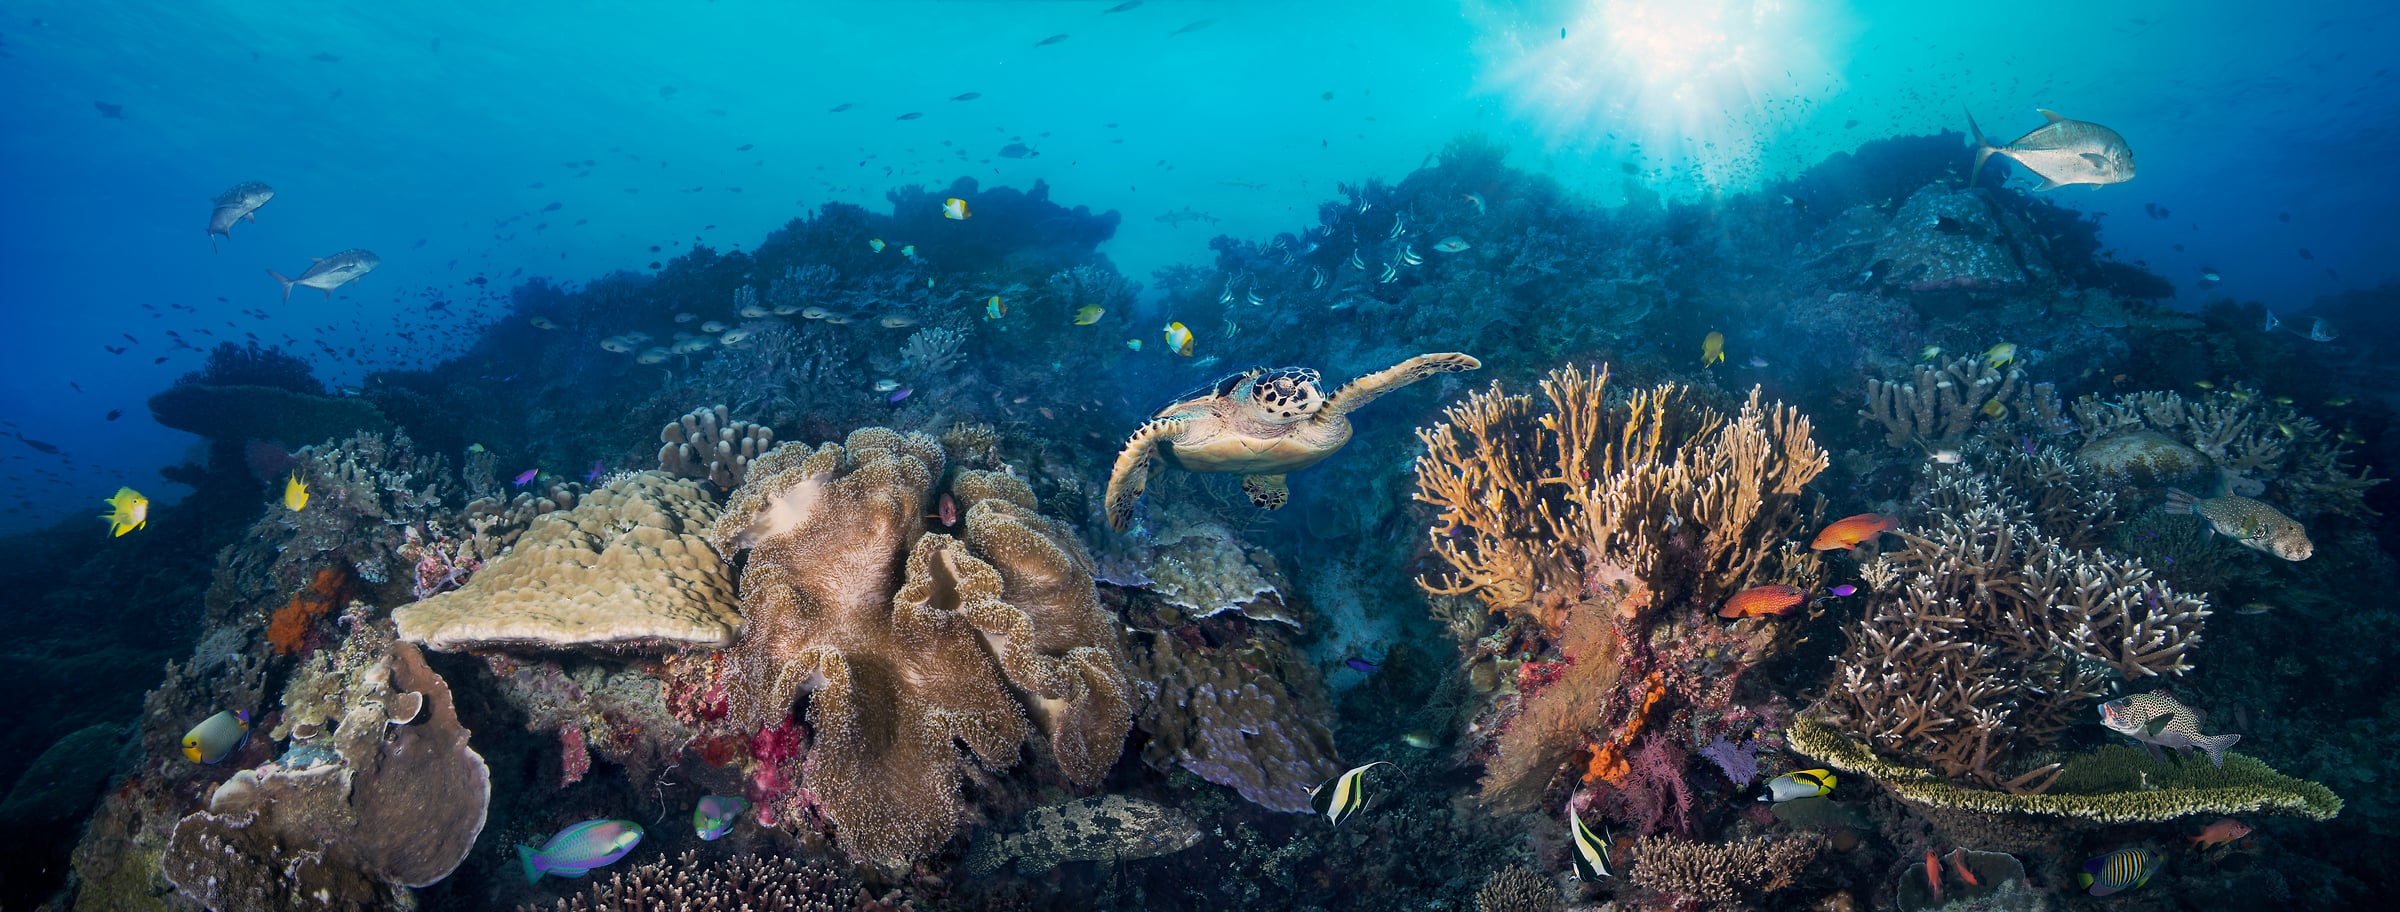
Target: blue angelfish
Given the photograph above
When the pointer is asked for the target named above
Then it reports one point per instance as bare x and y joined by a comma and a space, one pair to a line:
580, 848
715, 815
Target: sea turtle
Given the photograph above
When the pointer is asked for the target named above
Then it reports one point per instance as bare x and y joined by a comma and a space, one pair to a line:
1260, 423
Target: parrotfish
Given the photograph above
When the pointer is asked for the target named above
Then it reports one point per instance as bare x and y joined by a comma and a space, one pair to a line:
1343, 796
2159, 720
2118, 871
716, 814
217, 737
1851, 531
2253, 523
1801, 784
580, 848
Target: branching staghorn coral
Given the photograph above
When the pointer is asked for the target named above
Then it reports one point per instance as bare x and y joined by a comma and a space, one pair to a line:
1942, 403
2263, 447
1997, 636
904, 641
932, 351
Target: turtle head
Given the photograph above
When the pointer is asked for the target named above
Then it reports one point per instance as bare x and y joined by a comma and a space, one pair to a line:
1287, 395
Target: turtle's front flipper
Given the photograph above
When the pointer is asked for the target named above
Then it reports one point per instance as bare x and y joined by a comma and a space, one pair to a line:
1132, 473
1364, 389
1267, 491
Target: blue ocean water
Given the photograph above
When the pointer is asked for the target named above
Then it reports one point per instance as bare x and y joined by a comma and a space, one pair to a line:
501, 159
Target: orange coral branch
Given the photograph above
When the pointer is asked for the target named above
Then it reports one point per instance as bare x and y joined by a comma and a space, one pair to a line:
1609, 762
287, 631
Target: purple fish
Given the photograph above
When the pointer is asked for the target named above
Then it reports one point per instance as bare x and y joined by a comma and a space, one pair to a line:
527, 477
899, 394
580, 848
593, 476
2027, 439
1842, 591
1361, 665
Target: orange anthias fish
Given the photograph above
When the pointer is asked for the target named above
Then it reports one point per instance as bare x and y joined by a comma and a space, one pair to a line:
1958, 862
1849, 532
1762, 601
1933, 875
2220, 832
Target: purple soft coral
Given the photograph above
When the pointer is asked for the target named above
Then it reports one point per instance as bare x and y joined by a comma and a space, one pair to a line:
1738, 761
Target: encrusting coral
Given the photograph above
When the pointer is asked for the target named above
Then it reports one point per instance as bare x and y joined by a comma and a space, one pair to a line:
1997, 636
397, 801
627, 567
707, 444
1244, 716
903, 641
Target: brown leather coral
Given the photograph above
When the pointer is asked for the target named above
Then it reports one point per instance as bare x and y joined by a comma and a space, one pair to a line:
906, 642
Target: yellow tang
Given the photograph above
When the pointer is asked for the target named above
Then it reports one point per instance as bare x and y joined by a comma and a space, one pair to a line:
1712, 349
995, 308
1179, 339
129, 510
295, 493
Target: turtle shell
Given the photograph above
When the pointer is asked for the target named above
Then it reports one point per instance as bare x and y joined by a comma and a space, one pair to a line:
1255, 422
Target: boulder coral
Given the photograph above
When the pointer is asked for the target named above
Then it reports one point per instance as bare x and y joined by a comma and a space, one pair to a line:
904, 642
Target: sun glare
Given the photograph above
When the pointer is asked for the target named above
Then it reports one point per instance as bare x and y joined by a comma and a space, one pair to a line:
1686, 92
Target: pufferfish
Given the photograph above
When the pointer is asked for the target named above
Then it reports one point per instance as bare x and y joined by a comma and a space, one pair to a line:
2253, 523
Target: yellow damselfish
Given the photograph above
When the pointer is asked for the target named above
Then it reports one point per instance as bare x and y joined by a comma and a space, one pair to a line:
2000, 355
1089, 314
1712, 349
128, 510
295, 493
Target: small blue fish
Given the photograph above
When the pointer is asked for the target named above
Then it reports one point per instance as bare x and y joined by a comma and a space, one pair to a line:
715, 815
1842, 591
598, 469
526, 477
897, 395
1362, 665
580, 848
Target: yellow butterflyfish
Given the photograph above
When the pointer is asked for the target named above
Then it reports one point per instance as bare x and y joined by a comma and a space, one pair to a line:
1179, 339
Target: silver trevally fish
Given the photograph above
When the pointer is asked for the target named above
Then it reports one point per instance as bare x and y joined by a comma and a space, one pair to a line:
2061, 152
330, 272
240, 202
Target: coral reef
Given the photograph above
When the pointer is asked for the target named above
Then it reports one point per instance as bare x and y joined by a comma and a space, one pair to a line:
1516, 888
396, 802
1996, 636
745, 883
1245, 716
1191, 566
1597, 531
1944, 401
627, 567
903, 640
264, 413
1721, 876
1100, 828
2114, 785
1960, 241
2259, 446
707, 444
365, 494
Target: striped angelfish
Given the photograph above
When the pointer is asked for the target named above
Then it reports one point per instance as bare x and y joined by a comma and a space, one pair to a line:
1343, 795
2118, 871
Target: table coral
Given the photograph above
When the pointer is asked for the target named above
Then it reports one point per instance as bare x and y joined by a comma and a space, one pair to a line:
903, 641
627, 567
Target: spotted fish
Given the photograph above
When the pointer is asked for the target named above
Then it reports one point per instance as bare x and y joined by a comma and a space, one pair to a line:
2159, 720
1100, 828
2253, 523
